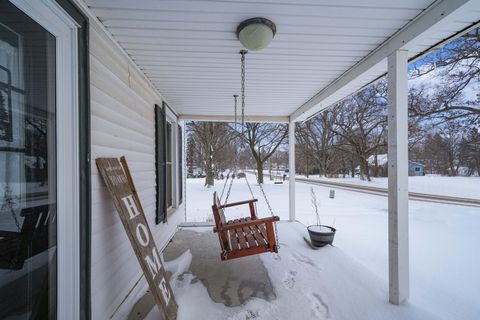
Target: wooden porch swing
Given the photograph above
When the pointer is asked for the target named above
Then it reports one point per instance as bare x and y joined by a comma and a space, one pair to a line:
246, 236
249, 235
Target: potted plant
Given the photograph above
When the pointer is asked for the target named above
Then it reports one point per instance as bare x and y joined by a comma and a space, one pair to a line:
320, 235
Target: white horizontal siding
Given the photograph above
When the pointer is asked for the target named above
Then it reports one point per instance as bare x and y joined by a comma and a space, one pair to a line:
122, 123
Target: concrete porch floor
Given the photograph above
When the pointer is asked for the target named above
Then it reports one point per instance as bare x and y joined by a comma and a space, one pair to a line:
231, 283
296, 283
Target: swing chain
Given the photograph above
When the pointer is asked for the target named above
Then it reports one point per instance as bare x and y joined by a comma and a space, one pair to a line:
249, 187
229, 189
269, 207
235, 97
243, 53
223, 190
235, 163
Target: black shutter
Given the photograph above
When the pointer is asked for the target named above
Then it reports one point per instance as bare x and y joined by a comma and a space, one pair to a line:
180, 165
160, 162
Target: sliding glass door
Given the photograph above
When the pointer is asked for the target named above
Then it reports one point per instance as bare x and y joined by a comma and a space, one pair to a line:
28, 153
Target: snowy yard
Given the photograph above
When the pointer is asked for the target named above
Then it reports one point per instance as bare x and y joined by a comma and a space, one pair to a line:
464, 187
444, 240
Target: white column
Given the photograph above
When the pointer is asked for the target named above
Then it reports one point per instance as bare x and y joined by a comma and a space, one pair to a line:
291, 169
398, 255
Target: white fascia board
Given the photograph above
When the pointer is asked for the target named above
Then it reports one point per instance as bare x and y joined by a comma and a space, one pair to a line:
231, 118
439, 14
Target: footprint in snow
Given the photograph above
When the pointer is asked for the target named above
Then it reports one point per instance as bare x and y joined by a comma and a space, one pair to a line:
245, 315
319, 307
305, 260
290, 279
251, 315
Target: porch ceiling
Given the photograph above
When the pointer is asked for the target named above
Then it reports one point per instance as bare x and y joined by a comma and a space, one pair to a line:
189, 51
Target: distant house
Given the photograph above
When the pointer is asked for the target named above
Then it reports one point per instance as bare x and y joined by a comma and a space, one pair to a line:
379, 166
416, 169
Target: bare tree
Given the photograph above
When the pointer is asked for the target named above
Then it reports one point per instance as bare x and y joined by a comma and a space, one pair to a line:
457, 66
263, 139
444, 117
303, 150
322, 139
361, 123
212, 141
435, 154
452, 134
469, 151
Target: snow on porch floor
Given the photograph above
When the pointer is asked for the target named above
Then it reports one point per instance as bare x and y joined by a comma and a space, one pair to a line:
307, 284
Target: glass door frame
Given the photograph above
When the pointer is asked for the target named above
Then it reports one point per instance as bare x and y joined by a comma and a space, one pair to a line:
50, 15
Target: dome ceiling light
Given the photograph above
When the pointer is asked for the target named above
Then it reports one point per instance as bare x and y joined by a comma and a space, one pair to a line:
256, 33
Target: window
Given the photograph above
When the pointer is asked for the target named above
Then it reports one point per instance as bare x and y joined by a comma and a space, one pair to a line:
169, 166
417, 169
165, 163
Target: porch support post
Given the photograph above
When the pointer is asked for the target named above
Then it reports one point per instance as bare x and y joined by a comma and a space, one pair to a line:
291, 169
398, 255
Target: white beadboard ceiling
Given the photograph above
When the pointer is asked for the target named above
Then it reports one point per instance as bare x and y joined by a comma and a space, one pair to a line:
189, 51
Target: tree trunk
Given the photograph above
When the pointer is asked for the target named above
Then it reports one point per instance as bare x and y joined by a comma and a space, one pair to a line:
324, 164
364, 172
308, 172
375, 172
451, 164
367, 171
209, 179
210, 173
260, 171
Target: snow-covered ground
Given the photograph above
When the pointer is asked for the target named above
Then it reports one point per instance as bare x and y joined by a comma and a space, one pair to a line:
321, 284
444, 259
465, 187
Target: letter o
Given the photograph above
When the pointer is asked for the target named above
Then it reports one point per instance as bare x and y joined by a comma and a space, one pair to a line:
145, 239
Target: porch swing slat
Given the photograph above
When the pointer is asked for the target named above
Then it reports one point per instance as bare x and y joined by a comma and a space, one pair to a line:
234, 241
241, 236
249, 236
262, 230
258, 236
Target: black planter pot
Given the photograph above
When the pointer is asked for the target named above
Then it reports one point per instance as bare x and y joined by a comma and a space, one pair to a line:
321, 238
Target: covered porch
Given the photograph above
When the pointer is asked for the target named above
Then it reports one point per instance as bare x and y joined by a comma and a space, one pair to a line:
296, 283
86, 82
187, 51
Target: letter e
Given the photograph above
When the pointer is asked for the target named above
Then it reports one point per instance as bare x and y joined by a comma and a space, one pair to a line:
166, 294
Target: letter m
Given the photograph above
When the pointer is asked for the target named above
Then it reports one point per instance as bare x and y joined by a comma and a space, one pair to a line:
154, 265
